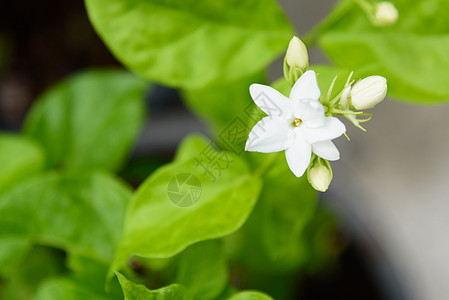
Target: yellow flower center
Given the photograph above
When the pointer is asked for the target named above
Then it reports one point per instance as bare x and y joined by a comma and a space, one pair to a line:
297, 122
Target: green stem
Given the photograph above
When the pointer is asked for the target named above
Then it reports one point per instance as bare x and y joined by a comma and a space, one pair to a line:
336, 14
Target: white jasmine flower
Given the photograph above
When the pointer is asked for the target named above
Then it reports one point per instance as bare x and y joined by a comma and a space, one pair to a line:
297, 55
385, 14
320, 178
368, 92
296, 124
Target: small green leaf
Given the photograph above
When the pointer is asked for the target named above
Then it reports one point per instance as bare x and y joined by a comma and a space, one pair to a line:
19, 158
81, 214
202, 270
134, 291
187, 201
189, 44
250, 295
90, 120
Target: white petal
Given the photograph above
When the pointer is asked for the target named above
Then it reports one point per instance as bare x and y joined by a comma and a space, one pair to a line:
310, 111
298, 155
306, 87
271, 101
326, 150
271, 134
331, 129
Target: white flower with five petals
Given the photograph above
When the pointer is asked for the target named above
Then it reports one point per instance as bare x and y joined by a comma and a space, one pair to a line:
296, 124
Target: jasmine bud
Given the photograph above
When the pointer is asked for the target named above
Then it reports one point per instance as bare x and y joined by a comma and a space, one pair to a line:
320, 178
297, 56
385, 14
368, 92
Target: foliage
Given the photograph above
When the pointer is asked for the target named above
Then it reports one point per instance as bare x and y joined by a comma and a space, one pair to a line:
68, 223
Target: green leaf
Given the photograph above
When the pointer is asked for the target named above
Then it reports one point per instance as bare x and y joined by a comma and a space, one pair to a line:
90, 120
81, 214
221, 104
134, 291
85, 281
187, 201
12, 251
190, 146
39, 263
189, 44
288, 204
62, 288
322, 241
275, 227
412, 54
202, 270
19, 158
250, 295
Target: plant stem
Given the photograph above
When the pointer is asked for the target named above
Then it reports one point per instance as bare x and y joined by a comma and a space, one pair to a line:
336, 14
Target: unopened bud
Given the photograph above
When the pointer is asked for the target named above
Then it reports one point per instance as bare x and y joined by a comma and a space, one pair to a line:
320, 177
368, 92
385, 14
297, 56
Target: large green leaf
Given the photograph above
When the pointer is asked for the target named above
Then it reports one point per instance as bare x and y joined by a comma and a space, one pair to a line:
90, 120
19, 158
81, 214
412, 54
133, 291
187, 201
191, 43
223, 105
202, 270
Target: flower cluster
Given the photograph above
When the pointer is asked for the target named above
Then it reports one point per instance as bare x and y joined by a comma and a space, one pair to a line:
304, 124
